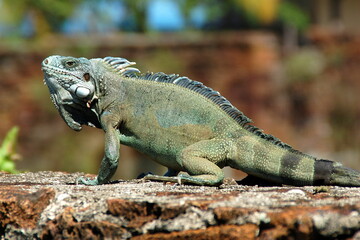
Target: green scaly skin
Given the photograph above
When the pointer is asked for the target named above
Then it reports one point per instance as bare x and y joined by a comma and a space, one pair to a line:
178, 123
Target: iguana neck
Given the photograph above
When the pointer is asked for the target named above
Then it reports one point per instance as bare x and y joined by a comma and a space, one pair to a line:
99, 76
106, 82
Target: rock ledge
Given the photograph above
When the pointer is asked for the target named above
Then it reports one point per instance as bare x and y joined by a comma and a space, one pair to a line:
47, 205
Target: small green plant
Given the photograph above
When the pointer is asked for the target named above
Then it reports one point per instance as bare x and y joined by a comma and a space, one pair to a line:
7, 151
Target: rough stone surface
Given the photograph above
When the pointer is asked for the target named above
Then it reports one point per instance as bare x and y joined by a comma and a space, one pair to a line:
47, 205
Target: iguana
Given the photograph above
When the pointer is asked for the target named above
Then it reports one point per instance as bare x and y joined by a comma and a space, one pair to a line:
178, 122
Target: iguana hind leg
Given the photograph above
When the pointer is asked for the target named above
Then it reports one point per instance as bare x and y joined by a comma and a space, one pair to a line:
202, 161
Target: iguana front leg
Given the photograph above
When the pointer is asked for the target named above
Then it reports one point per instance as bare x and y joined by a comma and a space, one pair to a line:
109, 162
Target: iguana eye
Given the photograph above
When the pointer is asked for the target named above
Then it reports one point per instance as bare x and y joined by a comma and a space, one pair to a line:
70, 63
87, 77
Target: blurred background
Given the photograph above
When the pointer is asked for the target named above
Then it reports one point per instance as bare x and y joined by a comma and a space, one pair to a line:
292, 66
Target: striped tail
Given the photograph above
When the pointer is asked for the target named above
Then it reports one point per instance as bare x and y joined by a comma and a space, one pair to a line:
325, 172
301, 170
282, 164
334, 173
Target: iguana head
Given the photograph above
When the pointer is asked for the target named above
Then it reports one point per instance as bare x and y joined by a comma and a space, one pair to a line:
75, 83
72, 89
69, 80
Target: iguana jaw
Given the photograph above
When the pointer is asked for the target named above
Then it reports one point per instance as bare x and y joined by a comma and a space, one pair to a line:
58, 94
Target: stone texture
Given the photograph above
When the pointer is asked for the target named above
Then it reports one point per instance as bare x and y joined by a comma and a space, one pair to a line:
22, 208
47, 205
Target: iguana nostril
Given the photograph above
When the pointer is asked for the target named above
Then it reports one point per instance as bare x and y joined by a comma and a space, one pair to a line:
46, 61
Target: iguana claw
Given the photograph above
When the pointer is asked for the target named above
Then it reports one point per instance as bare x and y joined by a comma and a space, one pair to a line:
86, 181
180, 179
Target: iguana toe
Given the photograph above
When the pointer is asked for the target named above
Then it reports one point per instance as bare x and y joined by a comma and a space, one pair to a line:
86, 181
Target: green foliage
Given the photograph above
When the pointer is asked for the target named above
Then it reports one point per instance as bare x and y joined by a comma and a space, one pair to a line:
138, 10
291, 14
48, 15
253, 13
7, 151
